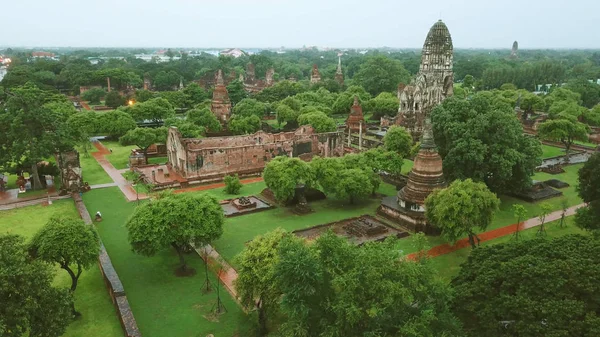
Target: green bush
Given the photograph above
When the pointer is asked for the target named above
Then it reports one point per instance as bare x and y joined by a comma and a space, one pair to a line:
232, 184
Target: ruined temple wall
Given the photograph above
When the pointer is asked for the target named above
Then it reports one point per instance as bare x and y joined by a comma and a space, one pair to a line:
194, 158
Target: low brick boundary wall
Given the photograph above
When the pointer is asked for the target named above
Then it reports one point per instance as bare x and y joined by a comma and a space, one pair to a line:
111, 279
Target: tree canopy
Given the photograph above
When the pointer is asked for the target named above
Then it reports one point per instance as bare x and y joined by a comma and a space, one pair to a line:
175, 220
283, 174
380, 73
68, 242
144, 138
397, 139
461, 208
482, 139
29, 301
530, 288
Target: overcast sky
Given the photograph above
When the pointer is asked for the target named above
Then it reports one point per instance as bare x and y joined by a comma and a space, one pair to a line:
275, 23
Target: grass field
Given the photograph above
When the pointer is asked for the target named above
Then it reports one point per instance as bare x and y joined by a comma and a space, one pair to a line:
157, 160
120, 154
448, 265
238, 230
163, 304
247, 190
551, 151
92, 172
91, 297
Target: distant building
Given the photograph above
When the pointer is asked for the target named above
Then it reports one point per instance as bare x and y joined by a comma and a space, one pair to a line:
234, 52
42, 54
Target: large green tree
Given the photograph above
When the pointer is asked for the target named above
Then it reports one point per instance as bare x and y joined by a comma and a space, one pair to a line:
249, 107
30, 304
175, 220
68, 242
283, 174
115, 123
531, 288
205, 118
566, 130
155, 110
460, 209
385, 104
334, 288
94, 95
33, 127
240, 125
144, 138
319, 121
482, 139
255, 284
397, 139
588, 188
380, 73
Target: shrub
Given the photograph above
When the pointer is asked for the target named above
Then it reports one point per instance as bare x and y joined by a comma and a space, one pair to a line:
232, 184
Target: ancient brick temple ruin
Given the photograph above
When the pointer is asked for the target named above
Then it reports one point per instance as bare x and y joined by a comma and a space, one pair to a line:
355, 118
212, 158
432, 85
426, 175
70, 171
253, 84
339, 74
221, 104
315, 75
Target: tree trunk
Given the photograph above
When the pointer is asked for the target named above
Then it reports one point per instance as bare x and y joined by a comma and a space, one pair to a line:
567, 148
472, 240
146, 155
262, 319
180, 253
74, 281
351, 200
36, 184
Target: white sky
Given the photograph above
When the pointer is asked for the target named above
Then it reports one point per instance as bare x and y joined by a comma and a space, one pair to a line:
275, 23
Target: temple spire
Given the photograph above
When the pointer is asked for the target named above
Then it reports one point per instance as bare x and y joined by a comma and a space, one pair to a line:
339, 67
427, 141
220, 78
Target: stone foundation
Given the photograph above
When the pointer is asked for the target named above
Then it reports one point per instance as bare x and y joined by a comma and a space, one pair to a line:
415, 221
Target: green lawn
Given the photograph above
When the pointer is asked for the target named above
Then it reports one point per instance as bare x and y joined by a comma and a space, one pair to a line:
91, 297
120, 154
551, 151
247, 190
407, 165
239, 230
448, 265
163, 304
92, 172
505, 215
157, 160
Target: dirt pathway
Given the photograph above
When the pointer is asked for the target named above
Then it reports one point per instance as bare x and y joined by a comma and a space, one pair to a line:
496, 233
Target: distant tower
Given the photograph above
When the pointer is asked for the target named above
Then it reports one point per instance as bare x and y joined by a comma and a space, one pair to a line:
514, 50
221, 104
433, 83
339, 75
315, 76
181, 83
269, 76
250, 73
355, 118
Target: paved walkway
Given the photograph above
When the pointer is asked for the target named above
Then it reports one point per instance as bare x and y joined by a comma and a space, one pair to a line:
31, 202
115, 174
227, 275
12, 196
496, 233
